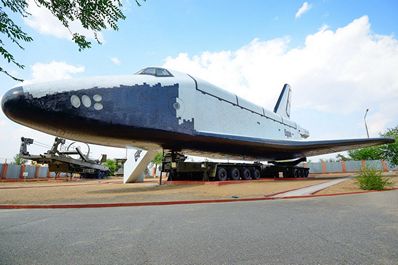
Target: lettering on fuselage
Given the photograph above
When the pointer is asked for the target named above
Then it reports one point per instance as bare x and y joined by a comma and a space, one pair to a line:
288, 134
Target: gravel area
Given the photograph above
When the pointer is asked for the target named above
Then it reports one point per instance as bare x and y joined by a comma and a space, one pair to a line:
114, 191
351, 186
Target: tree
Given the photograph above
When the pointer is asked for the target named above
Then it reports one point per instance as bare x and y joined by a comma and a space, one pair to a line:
112, 165
388, 152
341, 157
93, 15
367, 153
157, 160
18, 160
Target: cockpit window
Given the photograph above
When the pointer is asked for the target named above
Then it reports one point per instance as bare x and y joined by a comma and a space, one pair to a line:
148, 71
155, 71
162, 72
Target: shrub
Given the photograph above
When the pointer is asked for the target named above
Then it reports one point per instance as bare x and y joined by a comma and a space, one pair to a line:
18, 160
112, 165
372, 179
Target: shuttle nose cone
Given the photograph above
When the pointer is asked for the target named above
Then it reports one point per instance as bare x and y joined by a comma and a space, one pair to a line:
13, 102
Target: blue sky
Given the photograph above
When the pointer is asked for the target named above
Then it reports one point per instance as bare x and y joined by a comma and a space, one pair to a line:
158, 32
159, 29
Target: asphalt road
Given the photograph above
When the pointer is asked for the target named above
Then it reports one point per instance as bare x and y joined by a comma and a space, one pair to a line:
357, 229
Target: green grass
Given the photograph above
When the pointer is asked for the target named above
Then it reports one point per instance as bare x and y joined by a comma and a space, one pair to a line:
372, 179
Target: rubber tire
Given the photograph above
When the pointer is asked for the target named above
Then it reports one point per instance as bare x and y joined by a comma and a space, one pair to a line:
307, 172
301, 173
221, 174
245, 174
234, 173
296, 172
256, 174
171, 176
287, 173
101, 174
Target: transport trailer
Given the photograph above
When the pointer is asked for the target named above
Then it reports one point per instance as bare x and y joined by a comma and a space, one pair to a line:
61, 161
178, 169
276, 171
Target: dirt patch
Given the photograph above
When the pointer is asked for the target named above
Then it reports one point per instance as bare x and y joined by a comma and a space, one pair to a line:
351, 186
114, 191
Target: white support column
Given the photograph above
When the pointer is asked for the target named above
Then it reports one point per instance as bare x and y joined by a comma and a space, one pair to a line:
136, 163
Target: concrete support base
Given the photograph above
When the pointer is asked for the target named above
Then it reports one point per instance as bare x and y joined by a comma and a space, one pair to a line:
136, 163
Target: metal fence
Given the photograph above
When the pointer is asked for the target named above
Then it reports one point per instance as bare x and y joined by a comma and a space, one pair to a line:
347, 166
26, 172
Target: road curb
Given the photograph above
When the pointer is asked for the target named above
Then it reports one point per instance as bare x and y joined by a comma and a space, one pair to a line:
65, 184
164, 203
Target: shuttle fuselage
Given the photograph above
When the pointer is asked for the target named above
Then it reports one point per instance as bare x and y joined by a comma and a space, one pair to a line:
158, 108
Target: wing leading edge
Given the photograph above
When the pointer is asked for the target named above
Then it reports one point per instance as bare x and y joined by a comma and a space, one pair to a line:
289, 149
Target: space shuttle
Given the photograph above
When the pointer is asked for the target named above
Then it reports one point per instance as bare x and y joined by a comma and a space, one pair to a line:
158, 108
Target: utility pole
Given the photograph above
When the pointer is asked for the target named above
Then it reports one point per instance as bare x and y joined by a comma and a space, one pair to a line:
366, 125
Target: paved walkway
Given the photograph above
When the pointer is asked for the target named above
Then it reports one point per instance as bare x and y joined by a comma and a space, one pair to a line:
311, 189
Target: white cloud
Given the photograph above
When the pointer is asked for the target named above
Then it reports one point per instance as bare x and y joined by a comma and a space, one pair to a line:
336, 74
303, 9
46, 23
115, 60
53, 71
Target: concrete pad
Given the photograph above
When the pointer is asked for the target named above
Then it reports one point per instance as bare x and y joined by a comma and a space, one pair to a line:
310, 190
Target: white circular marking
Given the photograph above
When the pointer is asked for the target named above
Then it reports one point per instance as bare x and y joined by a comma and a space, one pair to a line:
75, 101
98, 106
97, 98
86, 101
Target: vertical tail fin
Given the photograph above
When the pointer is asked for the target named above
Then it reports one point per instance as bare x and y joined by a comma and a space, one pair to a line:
282, 107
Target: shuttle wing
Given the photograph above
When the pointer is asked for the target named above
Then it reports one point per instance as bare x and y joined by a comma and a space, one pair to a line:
313, 148
289, 149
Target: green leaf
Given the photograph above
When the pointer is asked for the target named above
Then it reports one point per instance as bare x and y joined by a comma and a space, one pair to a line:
94, 15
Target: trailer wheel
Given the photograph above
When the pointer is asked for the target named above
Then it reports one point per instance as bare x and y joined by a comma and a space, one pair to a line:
296, 172
256, 173
246, 173
172, 175
300, 173
101, 174
287, 173
221, 174
307, 172
234, 173
304, 172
